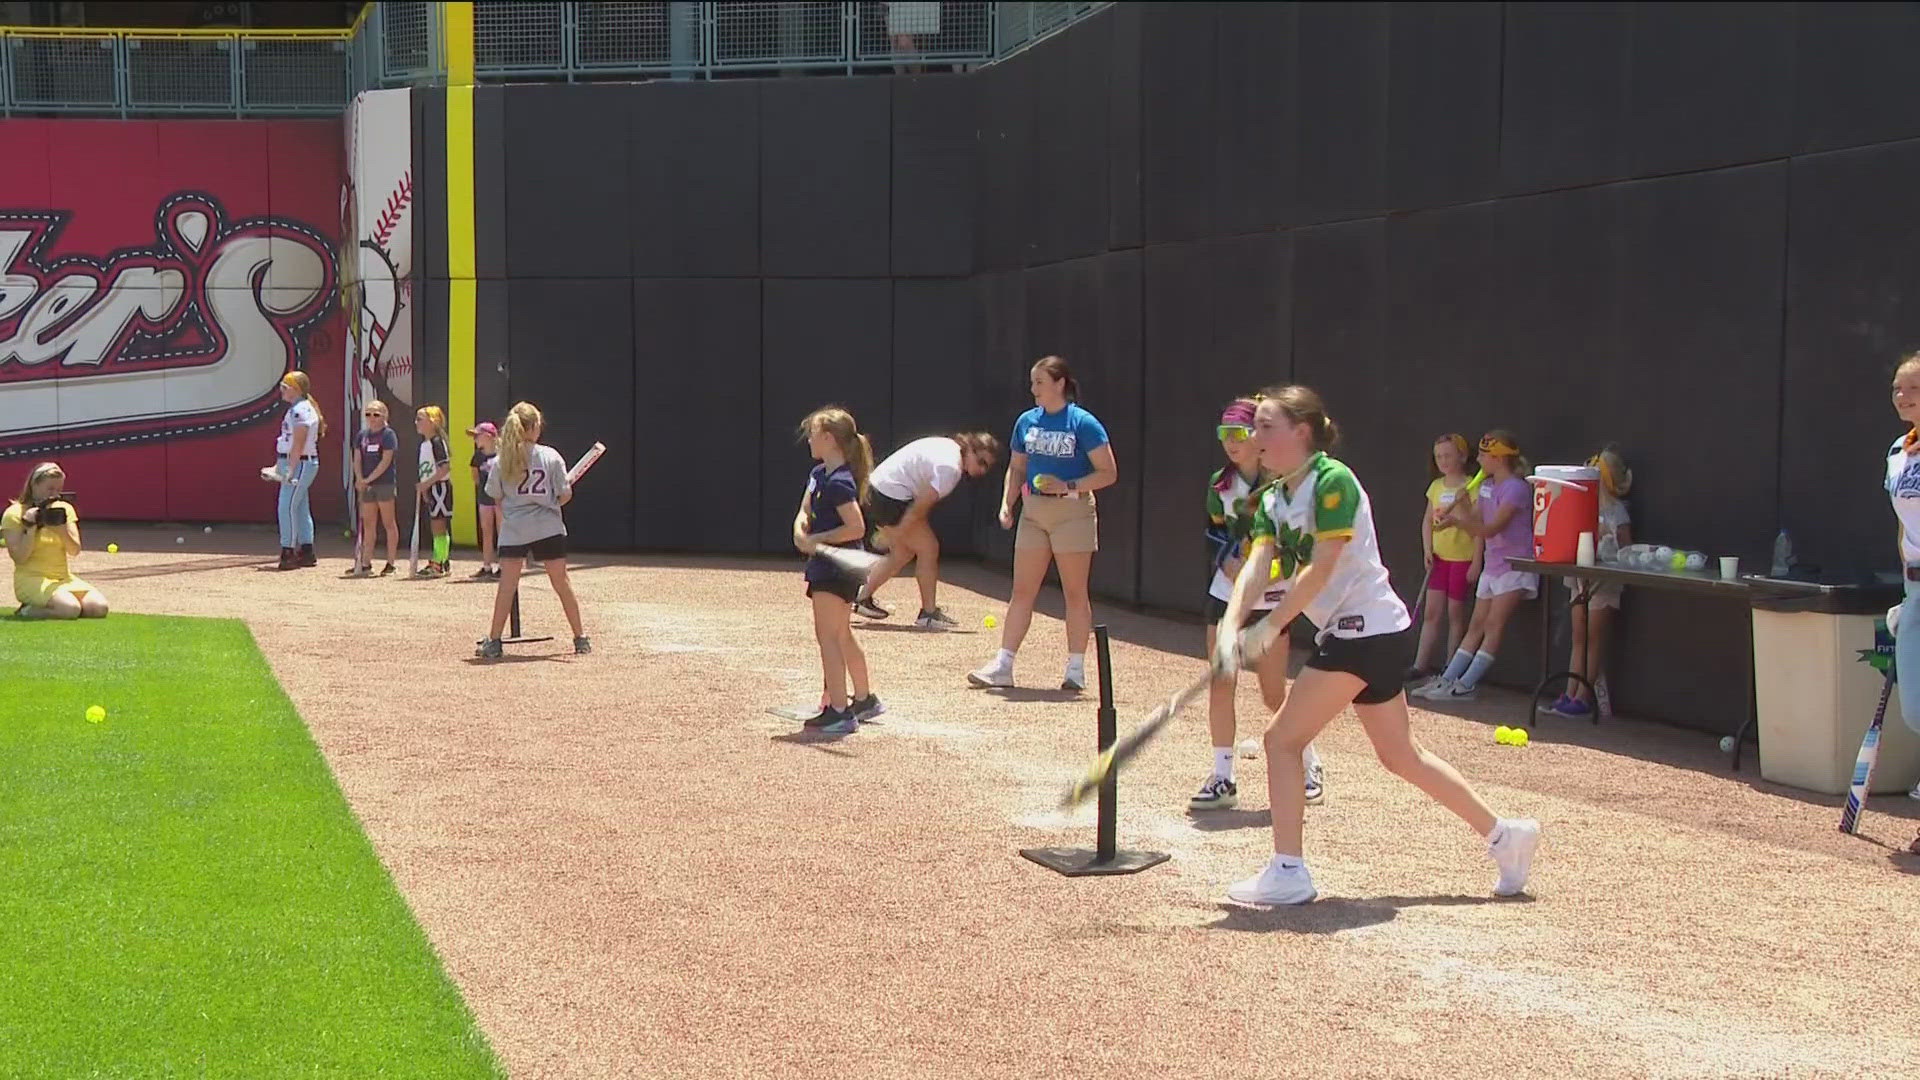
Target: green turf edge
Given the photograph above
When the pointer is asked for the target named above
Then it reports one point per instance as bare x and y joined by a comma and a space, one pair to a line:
183, 888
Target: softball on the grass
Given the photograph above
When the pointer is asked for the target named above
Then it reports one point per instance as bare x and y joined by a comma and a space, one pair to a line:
113, 549
95, 714
989, 622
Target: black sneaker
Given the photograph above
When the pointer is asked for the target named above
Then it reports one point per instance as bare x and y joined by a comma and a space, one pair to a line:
867, 609
582, 646
828, 717
387, 570
866, 708
307, 557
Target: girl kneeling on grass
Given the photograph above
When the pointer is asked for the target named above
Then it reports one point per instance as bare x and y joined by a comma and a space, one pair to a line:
1317, 521
42, 532
530, 484
830, 514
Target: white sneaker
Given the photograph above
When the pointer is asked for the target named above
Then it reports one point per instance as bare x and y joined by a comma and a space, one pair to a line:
1075, 678
1433, 688
1217, 793
1275, 885
1316, 784
1457, 692
993, 673
1915, 793
1512, 845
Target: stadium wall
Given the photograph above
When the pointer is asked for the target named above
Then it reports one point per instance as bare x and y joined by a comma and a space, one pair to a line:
1678, 227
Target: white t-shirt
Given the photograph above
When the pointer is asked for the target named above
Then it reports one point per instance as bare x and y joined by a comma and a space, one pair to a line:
1328, 503
1903, 487
530, 510
300, 415
930, 462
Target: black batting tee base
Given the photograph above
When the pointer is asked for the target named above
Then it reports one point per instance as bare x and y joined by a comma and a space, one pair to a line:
1105, 859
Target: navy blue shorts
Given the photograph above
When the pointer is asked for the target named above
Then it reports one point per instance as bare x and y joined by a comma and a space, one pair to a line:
824, 575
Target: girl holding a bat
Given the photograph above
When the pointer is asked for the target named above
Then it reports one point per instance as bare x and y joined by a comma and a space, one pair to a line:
1230, 502
1317, 521
830, 515
1902, 479
530, 484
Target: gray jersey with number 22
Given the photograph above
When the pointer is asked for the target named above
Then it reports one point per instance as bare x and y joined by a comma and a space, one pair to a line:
530, 509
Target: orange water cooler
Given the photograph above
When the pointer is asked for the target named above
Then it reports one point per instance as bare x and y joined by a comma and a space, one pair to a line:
1566, 503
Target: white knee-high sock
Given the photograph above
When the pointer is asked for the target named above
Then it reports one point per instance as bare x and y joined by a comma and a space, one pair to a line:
1477, 670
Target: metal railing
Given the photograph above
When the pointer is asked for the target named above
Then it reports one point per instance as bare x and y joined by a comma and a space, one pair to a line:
127, 72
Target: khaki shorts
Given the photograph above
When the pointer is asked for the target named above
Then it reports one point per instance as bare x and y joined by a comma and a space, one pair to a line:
1062, 526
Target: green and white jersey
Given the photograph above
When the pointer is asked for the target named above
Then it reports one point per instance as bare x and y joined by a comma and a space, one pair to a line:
1230, 503
1327, 503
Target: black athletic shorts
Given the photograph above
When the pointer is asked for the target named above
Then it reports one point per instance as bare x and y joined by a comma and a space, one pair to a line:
1380, 661
883, 510
546, 549
825, 575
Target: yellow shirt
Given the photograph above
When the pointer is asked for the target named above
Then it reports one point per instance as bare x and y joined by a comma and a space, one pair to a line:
48, 558
1449, 543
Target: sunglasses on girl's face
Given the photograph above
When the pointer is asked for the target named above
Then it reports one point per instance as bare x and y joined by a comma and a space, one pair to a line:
373, 415
1233, 433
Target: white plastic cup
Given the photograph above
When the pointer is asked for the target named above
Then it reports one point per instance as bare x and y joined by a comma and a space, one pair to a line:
1729, 568
1583, 555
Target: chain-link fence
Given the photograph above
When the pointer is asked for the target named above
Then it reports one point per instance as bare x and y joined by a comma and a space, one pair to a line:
316, 72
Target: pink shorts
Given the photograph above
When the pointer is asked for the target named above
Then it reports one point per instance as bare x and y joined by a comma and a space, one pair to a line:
1450, 577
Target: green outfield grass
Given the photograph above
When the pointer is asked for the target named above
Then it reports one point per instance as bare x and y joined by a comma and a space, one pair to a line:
183, 890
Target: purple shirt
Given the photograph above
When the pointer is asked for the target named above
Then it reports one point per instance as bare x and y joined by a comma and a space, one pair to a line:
1516, 540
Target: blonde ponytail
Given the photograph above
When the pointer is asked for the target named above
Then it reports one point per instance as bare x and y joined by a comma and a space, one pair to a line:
517, 436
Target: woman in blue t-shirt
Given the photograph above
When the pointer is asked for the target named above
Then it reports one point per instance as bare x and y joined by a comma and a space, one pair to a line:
1058, 457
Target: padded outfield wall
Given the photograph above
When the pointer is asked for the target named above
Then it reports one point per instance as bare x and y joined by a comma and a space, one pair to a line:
1686, 228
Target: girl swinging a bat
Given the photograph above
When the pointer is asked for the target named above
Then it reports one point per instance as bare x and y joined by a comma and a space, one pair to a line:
829, 515
530, 484
1316, 519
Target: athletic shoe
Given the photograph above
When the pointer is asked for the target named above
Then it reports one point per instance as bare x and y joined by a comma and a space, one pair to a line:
289, 559
1417, 674
360, 572
1275, 885
830, 719
1217, 793
1457, 692
1316, 785
387, 570
1575, 709
490, 649
992, 673
867, 609
1559, 703
1076, 677
935, 620
482, 573
1433, 689
1512, 845
866, 708
582, 646
1915, 793
307, 557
